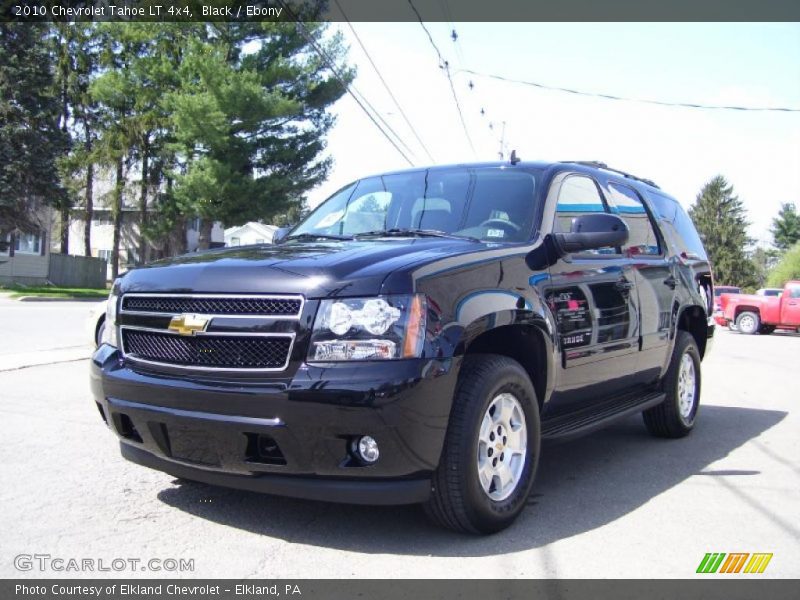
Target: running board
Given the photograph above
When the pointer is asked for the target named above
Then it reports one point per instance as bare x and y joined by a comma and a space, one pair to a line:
581, 422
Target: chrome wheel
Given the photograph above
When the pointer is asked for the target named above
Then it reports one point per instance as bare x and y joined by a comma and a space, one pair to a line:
502, 447
746, 323
687, 387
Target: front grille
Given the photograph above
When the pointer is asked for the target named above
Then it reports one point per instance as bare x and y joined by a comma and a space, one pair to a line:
270, 306
207, 351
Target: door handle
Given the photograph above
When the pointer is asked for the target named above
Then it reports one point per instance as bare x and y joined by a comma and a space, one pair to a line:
623, 285
671, 282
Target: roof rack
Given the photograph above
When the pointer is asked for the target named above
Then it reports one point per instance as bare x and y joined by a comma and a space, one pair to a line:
601, 165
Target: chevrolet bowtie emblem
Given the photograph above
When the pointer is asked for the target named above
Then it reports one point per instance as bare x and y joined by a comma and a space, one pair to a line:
188, 324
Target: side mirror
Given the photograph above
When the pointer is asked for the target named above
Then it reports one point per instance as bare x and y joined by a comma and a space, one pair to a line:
592, 231
280, 234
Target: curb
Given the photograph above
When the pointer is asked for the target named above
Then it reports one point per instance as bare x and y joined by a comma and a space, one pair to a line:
54, 299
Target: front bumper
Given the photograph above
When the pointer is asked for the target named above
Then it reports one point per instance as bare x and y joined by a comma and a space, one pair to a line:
289, 437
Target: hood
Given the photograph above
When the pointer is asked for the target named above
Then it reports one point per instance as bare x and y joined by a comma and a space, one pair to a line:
315, 269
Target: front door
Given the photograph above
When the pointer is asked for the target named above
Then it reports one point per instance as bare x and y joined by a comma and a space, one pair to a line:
790, 306
593, 299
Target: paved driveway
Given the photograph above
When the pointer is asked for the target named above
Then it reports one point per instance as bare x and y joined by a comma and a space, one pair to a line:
615, 504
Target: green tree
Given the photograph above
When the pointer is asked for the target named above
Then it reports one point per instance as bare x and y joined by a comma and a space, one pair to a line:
250, 119
75, 50
763, 259
30, 138
788, 268
786, 227
720, 219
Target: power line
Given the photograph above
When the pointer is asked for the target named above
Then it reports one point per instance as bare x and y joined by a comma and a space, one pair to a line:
626, 99
385, 85
445, 65
348, 87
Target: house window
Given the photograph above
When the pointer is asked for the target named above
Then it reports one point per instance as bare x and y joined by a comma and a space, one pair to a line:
28, 243
104, 254
235, 241
132, 256
259, 240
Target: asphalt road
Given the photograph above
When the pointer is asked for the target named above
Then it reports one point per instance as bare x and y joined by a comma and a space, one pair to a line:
614, 504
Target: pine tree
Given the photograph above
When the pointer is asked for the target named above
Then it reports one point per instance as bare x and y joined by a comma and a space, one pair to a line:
720, 219
786, 227
30, 138
251, 126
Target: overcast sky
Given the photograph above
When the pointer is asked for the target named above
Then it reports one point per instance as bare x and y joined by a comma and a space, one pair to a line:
679, 148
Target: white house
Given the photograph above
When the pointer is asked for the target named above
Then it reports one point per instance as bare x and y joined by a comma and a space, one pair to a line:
250, 233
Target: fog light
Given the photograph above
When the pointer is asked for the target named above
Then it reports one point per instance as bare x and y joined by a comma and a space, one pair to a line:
367, 449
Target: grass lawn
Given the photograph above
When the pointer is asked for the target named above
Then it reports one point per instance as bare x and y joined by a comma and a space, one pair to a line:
50, 291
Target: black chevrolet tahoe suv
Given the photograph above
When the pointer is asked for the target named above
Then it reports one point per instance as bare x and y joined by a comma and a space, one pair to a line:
415, 339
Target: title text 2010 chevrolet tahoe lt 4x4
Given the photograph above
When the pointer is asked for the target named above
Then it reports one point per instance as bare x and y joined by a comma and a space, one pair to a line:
415, 339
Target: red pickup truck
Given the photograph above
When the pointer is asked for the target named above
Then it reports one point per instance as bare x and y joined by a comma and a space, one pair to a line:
763, 314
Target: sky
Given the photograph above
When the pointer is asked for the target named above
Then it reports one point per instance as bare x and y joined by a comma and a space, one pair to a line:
679, 148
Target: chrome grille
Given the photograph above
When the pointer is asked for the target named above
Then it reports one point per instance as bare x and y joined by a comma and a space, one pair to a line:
217, 304
208, 351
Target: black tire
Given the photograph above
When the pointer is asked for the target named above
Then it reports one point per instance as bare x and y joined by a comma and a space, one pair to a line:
750, 320
766, 329
665, 420
99, 331
458, 501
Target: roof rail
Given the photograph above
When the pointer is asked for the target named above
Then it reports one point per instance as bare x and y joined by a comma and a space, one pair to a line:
601, 165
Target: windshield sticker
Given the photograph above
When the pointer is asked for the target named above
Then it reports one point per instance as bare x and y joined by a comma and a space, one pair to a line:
495, 233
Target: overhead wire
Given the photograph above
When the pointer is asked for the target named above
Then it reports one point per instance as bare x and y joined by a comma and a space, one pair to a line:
385, 85
446, 67
627, 99
348, 86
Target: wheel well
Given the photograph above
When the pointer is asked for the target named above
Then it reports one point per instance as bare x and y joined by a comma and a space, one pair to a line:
522, 343
97, 327
741, 309
693, 321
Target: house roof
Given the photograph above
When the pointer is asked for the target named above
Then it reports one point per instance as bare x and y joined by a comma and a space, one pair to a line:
265, 231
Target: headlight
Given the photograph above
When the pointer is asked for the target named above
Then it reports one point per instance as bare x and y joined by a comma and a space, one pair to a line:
379, 328
110, 328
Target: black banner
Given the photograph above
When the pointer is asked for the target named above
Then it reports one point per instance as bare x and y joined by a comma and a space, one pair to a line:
713, 587
400, 10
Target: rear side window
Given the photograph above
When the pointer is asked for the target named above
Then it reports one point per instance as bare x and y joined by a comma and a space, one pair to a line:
579, 195
680, 225
642, 238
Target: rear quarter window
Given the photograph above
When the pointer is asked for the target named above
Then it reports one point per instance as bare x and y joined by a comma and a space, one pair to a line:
680, 225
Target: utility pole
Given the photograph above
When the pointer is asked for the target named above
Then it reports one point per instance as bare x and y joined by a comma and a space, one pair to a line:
502, 142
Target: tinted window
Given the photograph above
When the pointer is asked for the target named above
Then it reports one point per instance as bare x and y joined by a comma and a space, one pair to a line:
579, 195
642, 238
681, 228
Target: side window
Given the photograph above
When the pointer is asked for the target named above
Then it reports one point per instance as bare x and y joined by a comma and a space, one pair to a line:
794, 292
579, 195
626, 203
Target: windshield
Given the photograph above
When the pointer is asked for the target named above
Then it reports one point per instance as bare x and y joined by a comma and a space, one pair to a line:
490, 204
719, 290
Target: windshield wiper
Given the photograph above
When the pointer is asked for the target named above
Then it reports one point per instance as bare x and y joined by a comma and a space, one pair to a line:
317, 236
397, 232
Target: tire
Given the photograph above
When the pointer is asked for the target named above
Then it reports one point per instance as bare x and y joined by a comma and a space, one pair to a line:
674, 418
748, 322
460, 500
101, 328
766, 329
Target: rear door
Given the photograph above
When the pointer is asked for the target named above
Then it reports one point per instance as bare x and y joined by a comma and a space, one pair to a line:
655, 277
